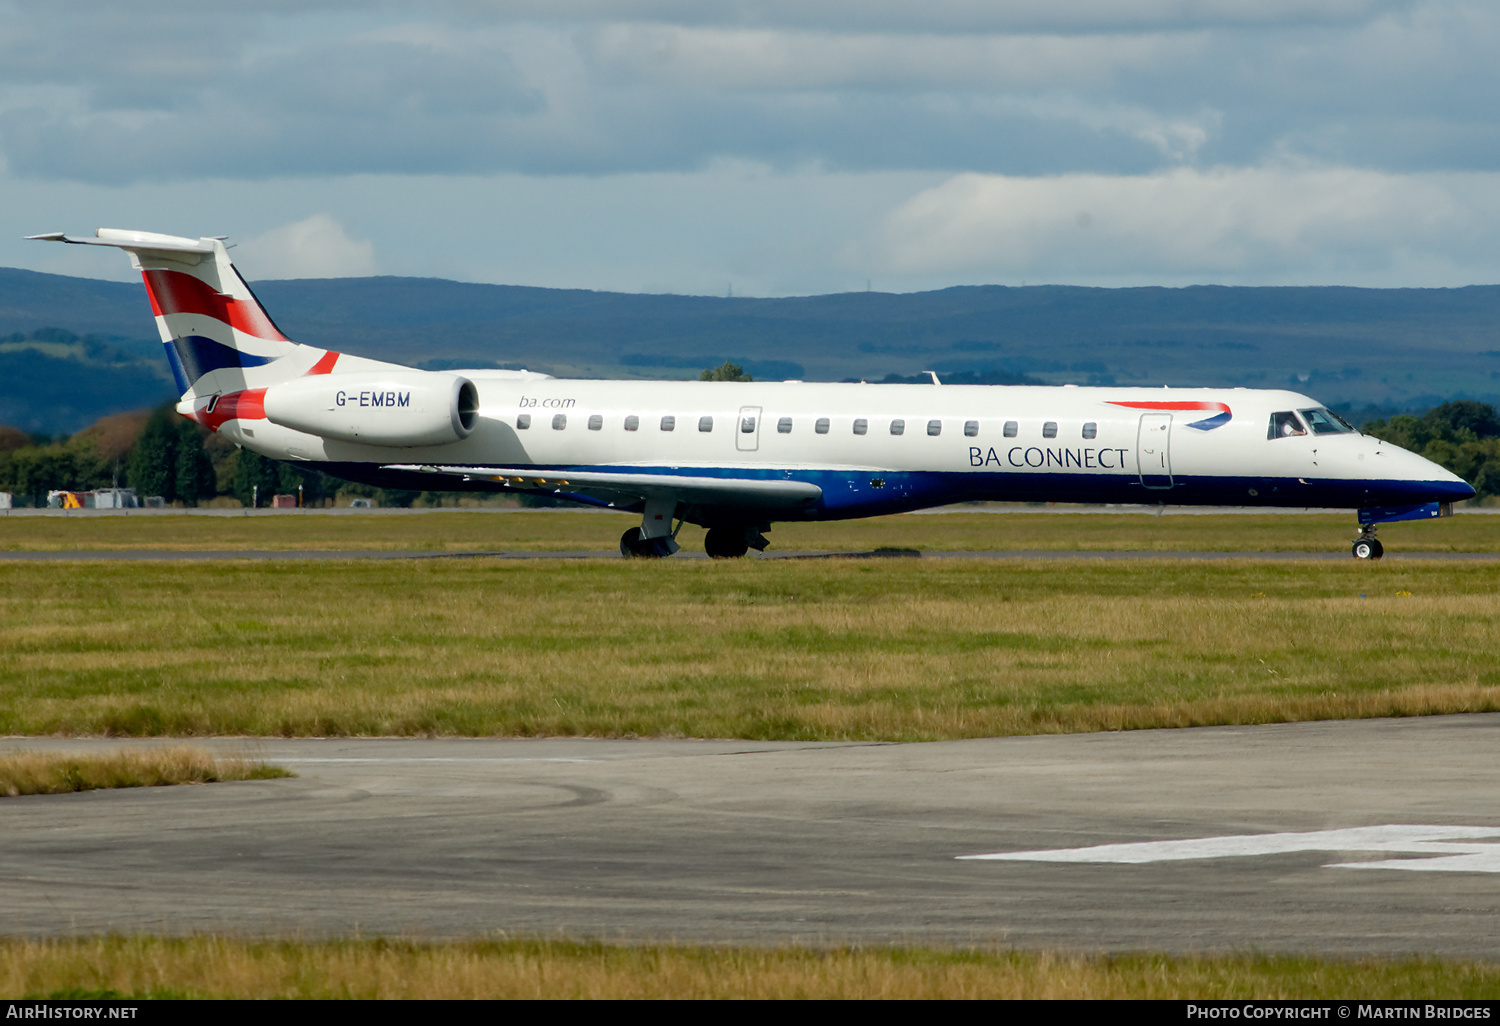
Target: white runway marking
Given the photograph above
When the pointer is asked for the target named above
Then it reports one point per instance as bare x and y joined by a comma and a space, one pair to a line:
1451, 849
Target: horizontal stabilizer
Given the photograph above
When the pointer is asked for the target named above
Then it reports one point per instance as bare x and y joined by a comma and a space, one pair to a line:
218, 338
122, 239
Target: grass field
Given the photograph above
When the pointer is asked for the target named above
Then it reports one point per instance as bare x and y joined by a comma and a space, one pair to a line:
208, 967
959, 530
902, 649
63, 773
893, 649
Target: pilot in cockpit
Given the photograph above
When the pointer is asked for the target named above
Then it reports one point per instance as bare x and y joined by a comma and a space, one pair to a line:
1285, 425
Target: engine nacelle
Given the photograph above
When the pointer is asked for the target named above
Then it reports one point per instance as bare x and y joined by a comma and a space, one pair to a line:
399, 408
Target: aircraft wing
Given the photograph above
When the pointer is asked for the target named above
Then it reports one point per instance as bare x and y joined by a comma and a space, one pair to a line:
623, 489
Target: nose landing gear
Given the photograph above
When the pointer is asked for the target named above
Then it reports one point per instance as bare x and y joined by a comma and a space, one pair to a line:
1367, 546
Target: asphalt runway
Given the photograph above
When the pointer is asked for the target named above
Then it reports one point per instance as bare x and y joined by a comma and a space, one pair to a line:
172, 555
1373, 837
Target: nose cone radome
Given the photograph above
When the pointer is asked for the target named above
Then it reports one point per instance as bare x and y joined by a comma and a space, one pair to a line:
1422, 479
1455, 490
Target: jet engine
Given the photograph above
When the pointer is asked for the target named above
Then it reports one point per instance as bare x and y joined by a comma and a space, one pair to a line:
398, 408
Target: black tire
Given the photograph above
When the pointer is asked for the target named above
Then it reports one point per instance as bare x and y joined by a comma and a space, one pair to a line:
1368, 548
633, 546
725, 543
630, 543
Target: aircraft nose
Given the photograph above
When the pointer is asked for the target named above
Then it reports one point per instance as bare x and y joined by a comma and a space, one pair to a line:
1456, 491
1446, 485
1407, 477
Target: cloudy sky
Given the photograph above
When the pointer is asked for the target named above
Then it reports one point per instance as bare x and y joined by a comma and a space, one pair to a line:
775, 148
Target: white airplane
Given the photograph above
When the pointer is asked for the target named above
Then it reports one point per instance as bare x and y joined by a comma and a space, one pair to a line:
736, 457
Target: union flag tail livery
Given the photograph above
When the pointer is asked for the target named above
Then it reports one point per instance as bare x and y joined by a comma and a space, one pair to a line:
218, 337
736, 457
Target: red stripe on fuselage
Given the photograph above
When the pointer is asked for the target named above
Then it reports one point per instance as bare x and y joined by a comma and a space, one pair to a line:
247, 405
324, 365
173, 292
1174, 405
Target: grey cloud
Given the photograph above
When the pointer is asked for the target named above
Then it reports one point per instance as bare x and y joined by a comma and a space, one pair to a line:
380, 78
95, 93
950, 16
1340, 221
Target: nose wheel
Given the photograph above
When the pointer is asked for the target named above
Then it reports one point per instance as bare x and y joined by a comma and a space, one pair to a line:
1367, 546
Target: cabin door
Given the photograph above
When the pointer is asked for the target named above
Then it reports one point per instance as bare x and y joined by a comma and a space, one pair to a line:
747, 430
1153, 450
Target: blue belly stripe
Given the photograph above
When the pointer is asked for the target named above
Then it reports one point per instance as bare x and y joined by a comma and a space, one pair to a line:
848, 494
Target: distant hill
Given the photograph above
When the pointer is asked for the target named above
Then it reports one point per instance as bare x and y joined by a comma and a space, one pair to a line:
1395, 349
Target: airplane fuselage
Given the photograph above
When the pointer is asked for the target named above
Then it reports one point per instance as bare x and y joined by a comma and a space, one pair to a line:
738, 456
874, 449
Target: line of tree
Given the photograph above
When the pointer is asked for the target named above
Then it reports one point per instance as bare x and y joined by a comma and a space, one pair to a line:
1463, 436
156, 453
726, 371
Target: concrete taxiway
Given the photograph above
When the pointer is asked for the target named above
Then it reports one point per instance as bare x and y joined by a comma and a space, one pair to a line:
778, 842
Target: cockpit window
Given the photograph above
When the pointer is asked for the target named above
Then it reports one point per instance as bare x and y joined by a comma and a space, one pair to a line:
1325, 422
1285, 425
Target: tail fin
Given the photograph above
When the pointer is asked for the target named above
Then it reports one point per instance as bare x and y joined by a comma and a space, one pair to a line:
218, 337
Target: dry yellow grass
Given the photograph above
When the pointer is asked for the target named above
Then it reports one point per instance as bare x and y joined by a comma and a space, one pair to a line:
957, 530
889, 649
62, 772
216, 967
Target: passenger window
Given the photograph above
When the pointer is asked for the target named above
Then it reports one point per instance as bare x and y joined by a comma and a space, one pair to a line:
1091, 430
1049, 429
632, 423
747, 425
668, 422
596, 421
559, 421
705, 423
523, 421
861, 426
971, 428
821, 427
1285, 425
1010, 429
784, 426
898, 427
934, 427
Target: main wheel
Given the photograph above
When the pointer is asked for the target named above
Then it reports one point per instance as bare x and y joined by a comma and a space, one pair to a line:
1368, 548
725, 543
633, 546
630, 544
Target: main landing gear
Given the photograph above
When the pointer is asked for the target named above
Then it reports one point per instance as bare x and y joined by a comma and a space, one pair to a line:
725, 543
734, 542
1367, 546
634, 546
655, 538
